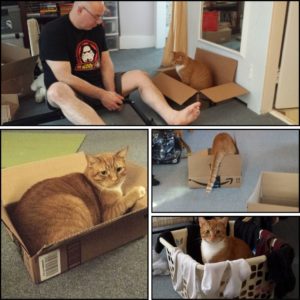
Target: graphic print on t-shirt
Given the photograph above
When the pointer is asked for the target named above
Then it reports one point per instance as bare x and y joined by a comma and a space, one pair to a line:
87, 56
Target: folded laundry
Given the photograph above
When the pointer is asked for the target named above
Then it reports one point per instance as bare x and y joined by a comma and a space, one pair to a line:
213, 274
184, 276
240, 271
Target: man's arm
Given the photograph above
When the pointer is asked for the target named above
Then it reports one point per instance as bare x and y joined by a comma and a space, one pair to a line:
62, 72
107, 72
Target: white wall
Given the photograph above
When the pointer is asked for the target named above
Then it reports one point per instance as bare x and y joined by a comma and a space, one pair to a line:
137, 24
252, 59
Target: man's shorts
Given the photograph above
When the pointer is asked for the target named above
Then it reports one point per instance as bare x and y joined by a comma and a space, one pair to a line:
95, 103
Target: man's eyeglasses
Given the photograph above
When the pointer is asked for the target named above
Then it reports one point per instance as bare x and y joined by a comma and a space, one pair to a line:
97, 18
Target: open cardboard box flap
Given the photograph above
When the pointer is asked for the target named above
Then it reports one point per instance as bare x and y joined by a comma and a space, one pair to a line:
17, 69
173, 89
16, 180
223, 69
275, 191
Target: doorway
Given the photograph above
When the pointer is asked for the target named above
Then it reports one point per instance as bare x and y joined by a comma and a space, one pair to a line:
281, 91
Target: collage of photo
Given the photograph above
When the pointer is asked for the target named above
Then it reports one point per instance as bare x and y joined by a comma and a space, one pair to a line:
150, 150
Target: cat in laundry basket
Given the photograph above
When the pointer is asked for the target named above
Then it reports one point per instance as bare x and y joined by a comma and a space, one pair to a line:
216, 246
56, 208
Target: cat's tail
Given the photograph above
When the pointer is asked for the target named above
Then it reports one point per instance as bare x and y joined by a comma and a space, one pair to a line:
216, 161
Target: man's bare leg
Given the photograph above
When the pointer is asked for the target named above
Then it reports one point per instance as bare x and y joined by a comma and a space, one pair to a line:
153, 97
76, 111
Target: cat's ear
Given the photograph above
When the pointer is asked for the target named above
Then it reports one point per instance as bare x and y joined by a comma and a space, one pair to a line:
224, 220
122, 153
202, 221
91, 159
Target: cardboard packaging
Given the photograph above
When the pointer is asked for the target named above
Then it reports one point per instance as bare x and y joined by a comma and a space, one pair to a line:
222, 35
60, 257
9, 106
275, 192
229, 174
17, 69
223, 69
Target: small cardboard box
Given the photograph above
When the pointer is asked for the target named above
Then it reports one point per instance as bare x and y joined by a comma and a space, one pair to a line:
83, 246
17, 69
222, 35
199, 164
223, 69
9, 106
275, 192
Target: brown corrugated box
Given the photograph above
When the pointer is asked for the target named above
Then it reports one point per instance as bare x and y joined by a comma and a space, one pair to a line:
83, 246
9, 107
223, 69
17, 69
222, 35
275, 192
229, 174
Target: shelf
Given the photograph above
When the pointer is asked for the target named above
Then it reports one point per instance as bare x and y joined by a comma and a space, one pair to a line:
31, 9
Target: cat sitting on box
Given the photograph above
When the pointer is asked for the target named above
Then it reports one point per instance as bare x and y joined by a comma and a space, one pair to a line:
56, 208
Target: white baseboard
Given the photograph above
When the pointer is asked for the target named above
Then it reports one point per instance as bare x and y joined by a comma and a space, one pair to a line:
282, 117
137, 41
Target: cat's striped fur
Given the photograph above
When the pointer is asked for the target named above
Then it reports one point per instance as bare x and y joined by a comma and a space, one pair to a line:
192, 72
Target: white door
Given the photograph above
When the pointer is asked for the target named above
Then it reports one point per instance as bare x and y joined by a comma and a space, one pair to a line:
288, 85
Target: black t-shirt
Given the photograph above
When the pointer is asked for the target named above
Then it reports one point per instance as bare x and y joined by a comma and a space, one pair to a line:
60, 40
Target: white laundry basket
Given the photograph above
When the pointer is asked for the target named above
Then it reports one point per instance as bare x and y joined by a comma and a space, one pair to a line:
255, 287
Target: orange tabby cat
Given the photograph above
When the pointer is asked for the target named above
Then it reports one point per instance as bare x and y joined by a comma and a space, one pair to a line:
56, 208
192, 72
216, 246
223, 144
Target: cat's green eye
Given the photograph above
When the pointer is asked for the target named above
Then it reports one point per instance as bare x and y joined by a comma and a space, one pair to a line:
103, 173
119, 169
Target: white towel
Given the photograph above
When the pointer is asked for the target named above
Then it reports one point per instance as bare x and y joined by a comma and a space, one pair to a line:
240, 271
184, 276
212, 276
160, 264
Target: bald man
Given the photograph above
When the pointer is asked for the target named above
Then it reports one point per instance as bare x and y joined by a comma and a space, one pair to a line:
79, 71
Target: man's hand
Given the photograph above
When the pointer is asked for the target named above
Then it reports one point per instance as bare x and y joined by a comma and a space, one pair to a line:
112, 100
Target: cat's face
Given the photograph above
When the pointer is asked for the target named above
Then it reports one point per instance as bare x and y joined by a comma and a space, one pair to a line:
214, 230
107, 170
178, 58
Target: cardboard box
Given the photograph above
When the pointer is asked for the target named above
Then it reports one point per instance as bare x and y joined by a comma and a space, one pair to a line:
199, 164
222, 35
275, 192
223, 69
17, 69
83, 246
9, 106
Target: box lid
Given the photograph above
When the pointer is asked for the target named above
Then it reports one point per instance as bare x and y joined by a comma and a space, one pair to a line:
222, 67
173, 89
224, 92
18, 68
275, 191
10, 53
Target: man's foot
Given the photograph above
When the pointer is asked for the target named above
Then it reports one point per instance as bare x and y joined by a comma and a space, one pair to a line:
186, 115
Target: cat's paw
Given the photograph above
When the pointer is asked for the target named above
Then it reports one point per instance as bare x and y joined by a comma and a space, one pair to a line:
140, 192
